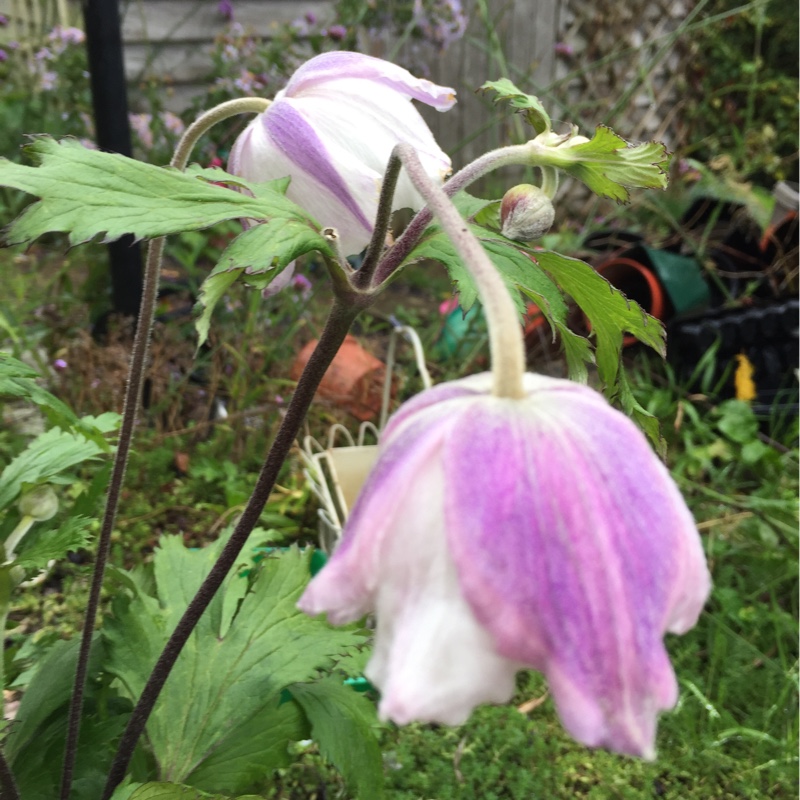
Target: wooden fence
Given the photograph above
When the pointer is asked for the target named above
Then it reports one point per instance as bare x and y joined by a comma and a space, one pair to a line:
599, 61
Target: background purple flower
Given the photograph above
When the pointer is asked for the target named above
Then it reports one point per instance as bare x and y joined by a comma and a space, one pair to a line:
225, 9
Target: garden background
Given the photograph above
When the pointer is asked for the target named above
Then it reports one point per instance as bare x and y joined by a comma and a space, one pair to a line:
715, 80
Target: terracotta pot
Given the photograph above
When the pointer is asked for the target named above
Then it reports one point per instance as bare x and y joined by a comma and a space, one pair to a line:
354, 381
637, 283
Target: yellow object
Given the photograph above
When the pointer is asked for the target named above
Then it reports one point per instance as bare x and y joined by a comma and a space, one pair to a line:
745, 385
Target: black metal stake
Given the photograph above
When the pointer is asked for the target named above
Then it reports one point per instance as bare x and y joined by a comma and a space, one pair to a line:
110, 104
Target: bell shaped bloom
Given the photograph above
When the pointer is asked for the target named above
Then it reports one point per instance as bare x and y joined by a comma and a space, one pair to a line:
332, 130
496, 534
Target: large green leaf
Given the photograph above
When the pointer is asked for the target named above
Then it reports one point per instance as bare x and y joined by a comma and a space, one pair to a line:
172, 791
258, 255
343, 726
219, 724
519, 271
35, 744
88, 193
610, 313
544, 277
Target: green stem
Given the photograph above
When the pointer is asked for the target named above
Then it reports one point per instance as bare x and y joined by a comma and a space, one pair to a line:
141, 343
15, 537
336, 328
505, 336
549, 181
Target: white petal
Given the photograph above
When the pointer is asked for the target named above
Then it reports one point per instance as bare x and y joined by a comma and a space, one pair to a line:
432, 660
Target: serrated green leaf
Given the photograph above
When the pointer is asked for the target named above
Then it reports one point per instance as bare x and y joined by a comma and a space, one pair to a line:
174, 791
526, 104
640, 415
342, 724
608, 164
258, 255
519, 270
45, 457
88, 194
609, 312
41, 546
218, 724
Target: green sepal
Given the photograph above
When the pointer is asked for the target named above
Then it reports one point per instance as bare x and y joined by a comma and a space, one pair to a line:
608, 164
526, 104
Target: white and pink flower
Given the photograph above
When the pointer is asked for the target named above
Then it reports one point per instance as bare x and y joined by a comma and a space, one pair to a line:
332, 130
496, 534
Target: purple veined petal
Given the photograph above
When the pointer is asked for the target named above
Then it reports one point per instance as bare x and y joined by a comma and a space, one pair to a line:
432, 660
299, 142
331, 66
336, 111
345, 587
280, 142
582, 534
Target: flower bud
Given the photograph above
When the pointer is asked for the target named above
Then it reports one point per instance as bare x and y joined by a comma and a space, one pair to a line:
526, 213
40, 504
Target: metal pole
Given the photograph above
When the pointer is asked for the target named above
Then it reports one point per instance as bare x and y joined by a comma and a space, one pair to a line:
110, 104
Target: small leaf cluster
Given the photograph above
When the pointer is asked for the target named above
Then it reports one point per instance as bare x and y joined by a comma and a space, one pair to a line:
50, 458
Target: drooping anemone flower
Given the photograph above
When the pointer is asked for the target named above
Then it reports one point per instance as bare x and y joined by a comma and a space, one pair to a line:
332, 130
499, 533
511, 521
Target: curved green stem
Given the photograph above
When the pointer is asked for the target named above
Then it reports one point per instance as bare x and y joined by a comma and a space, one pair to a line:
141, 343
505, 336
336, 328
549, 181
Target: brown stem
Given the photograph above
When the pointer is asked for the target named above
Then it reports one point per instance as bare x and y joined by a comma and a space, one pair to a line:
336, 328
8, 786
133, 390
364, 276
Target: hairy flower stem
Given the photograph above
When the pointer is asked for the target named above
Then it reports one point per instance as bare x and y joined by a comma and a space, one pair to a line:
336, 328
503, 157
8, 786
363, 278
505, 337
133, 390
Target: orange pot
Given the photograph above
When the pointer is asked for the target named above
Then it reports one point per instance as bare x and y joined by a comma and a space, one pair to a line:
354, 381
637, 283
